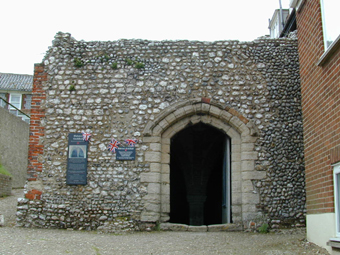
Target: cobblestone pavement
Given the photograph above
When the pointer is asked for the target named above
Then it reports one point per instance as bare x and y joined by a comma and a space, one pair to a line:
16, 240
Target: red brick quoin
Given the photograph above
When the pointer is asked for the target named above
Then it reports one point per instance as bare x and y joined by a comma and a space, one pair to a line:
36, 129
33, 194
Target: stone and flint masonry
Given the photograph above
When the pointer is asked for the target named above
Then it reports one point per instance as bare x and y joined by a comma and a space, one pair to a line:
219, 126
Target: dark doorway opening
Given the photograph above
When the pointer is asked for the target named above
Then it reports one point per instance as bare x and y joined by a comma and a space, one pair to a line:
198, 176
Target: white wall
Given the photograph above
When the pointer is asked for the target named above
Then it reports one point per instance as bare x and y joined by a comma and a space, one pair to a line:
320, 228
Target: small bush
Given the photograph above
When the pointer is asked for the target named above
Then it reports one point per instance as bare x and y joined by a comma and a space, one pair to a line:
78, 62
129, 62
264, 228
114, 66
72, 88
139, 65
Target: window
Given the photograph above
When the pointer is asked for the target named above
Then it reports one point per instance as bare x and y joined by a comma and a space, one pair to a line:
336, 178
330, 21
15, 100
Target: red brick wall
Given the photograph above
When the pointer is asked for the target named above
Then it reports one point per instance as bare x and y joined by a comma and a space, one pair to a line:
321, 109
36, 128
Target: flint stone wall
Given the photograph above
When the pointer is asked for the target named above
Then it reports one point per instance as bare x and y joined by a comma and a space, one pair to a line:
256, 83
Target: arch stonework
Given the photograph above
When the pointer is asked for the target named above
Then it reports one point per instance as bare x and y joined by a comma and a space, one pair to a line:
157, 136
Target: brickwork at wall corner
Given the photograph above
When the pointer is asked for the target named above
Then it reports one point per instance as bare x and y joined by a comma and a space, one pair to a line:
248, 90
321, 109
5, 185
36, 147
33, 194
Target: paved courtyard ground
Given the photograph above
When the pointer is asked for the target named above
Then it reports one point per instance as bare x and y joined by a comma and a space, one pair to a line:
15, 240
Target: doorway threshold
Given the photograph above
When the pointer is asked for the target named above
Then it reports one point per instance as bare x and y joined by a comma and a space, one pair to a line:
204, 228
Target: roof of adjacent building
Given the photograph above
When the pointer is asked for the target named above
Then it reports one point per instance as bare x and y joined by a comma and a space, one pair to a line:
16, 82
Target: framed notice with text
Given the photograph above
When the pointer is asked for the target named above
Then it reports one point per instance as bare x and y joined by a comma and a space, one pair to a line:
126, 153
76, 160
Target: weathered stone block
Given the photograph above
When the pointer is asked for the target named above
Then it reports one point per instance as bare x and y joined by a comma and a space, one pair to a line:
224, 227
154, 188
165, 188
152, 198
164, 124
247, 147
205, 108
237, 198
237, 123
249, 155
247, 186
165, 169
214, 111
149, 217
165, 158
165, 198
165, 207
165, 178
165, 141
155, 167
157, 130
253, 175
250, 198
248, 165
195, 119
152, 139
171, 118
164, 217
150, 177
198, 228
155, 146
173, 227
179, 113
236, 166
226, 116
151, 207
153, 156
165, 148
236, 209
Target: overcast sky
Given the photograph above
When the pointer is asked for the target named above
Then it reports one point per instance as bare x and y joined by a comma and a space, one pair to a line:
29, 26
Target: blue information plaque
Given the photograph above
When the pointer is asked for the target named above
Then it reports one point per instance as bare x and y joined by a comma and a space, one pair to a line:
126, 153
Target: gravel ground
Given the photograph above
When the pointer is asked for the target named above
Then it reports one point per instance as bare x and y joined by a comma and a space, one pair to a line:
16, 240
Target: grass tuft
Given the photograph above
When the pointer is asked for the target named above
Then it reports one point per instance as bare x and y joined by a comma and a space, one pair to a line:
4, 171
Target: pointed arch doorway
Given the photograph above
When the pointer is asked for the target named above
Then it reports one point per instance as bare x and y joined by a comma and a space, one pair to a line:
200, 176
